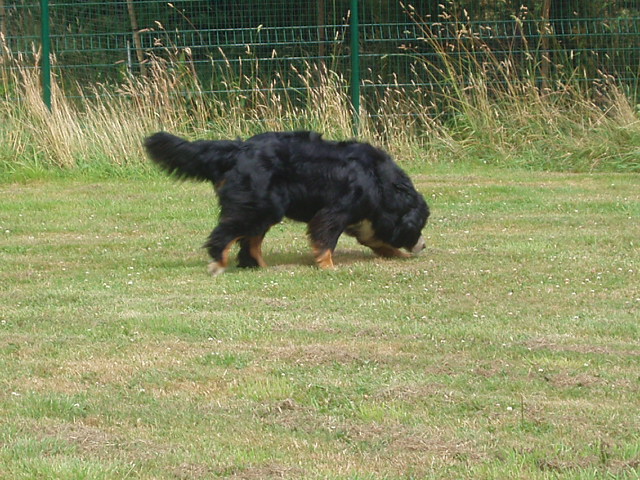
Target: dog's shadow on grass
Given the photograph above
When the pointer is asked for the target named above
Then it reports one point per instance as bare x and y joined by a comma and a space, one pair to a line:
282, 260
288, 260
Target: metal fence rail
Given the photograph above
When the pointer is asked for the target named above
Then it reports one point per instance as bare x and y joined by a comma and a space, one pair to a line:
104, 41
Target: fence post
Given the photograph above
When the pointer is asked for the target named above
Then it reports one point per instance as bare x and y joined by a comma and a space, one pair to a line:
45, 41
355, 65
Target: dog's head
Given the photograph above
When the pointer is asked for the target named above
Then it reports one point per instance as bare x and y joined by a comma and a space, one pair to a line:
409, 217
403, 217
398, 221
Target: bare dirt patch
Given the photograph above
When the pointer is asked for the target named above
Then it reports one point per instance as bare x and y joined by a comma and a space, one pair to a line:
556, 346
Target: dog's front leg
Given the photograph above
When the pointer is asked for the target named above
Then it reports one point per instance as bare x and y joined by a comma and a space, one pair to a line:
324, 229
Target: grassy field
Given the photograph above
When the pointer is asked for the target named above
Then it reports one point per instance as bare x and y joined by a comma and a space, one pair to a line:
508, 349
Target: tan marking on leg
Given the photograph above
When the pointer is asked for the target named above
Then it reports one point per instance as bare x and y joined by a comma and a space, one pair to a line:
255, 250
216, 268
324, 258
363, 231
389, 252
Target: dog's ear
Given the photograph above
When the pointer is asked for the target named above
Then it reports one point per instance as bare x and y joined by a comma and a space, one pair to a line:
404, 186
404, 195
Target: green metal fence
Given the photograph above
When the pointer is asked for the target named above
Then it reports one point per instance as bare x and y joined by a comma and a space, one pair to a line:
379, 44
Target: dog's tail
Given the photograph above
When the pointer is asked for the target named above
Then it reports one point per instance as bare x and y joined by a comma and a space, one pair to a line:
200, 160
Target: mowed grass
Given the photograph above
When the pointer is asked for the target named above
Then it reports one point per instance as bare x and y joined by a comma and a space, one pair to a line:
508, 349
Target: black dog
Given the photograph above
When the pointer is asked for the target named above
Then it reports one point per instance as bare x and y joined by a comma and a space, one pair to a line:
334, 187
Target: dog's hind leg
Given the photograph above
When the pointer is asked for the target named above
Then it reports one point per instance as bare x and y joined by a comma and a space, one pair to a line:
222, 238
250, 254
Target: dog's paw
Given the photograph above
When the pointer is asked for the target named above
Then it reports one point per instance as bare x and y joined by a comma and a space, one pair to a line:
324, 259
215, 269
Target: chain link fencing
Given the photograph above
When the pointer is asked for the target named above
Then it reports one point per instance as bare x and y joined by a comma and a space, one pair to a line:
226, 44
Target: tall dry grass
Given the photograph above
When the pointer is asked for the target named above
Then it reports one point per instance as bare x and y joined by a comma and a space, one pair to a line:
490, 110
107, 123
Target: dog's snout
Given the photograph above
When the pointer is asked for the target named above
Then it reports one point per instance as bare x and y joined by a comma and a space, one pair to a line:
419, 246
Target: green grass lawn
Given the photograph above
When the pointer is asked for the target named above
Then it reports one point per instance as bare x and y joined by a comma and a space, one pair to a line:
508, 349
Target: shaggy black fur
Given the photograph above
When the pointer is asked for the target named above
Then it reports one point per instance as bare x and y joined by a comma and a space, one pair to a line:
334, 187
